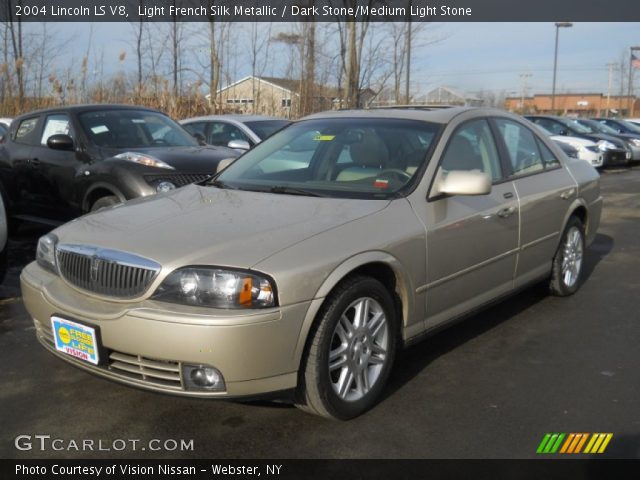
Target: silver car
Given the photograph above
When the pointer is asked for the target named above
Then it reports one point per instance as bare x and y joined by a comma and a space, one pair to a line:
240, 132
308, 277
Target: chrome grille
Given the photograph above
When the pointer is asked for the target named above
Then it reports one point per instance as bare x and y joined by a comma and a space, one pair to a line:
106, 272
159, 372
178, 179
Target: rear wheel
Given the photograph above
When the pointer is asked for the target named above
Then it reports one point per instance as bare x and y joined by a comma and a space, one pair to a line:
351, 350
103, 202
568, 261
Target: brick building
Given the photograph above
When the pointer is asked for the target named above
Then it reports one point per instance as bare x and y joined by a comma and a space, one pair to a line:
580, 104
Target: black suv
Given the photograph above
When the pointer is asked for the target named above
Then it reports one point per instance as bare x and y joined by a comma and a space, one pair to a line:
59, 163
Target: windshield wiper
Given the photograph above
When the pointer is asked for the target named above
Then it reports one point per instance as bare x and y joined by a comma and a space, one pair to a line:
218, 184
293, 191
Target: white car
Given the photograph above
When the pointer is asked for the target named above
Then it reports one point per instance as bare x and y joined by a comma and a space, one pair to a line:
587, 149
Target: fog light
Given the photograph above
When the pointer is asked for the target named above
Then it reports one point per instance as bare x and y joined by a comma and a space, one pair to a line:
164, 186
202, 377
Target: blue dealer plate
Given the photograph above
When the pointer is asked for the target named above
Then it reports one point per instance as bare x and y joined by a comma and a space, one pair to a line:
75, 339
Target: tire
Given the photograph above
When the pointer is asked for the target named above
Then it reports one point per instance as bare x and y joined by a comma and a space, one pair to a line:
568, 261
103, 202
363, 351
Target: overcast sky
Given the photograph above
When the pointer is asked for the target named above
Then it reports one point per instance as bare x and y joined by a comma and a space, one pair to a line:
469, 56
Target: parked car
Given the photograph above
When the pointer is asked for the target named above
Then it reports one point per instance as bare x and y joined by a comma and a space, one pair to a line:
577, 147
614, 150
3, 240
631, 139
629, 129
634, 121
59, 163
241, 132
5, 121
309, 279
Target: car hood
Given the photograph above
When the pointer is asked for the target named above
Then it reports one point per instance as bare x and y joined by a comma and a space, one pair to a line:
206, 225
596, 137
573, 140
183, 158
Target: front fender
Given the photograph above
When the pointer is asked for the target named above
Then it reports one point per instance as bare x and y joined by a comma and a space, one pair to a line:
404, 289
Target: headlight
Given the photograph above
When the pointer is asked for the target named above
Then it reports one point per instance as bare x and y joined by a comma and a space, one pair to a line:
143, 159
164, 186
46, 253
635, 142
606, 145
218, 288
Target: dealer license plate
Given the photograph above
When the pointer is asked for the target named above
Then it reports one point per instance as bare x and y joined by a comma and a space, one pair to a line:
79, 341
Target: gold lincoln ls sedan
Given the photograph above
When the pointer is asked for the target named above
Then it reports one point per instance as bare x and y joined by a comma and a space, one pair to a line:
304, 265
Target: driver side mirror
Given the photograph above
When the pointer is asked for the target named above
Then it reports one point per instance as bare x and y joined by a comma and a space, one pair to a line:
465, 182
60, 142
239, 145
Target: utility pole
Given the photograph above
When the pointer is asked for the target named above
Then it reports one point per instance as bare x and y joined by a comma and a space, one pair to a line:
524, 86
630, 83
610, 65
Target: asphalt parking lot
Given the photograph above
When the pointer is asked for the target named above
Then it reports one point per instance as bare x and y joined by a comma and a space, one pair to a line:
489, 387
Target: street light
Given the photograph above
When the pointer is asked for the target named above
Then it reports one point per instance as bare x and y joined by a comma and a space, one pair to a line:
559, 25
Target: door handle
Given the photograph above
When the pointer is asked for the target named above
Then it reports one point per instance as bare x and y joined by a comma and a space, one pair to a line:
567, 194
35, 162
506, 212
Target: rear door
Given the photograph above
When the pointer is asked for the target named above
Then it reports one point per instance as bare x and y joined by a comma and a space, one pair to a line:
545, 190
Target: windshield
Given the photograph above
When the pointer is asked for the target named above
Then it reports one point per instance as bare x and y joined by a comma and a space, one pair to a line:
134, 128
597, 127
630, 126
266, 128
579, 127
336, 157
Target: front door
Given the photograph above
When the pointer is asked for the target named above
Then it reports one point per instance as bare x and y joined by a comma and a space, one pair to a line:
472, 241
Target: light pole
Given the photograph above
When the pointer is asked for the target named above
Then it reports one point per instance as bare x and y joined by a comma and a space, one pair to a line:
559, 25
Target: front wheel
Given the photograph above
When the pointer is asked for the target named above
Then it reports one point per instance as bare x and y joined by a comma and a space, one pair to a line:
351, 350
568, 261
103, 202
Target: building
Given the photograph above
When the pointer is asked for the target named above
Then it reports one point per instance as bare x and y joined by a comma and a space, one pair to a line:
579, 104
278, 97
447, 96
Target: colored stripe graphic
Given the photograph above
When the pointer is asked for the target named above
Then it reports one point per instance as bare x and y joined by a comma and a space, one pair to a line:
573, 443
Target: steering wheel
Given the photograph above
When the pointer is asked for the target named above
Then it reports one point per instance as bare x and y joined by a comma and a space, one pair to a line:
397, 173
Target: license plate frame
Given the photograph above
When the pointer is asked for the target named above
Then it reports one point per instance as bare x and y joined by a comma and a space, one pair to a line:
76, 339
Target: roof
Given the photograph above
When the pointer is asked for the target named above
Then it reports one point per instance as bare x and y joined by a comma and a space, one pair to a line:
283, 83
237, 118
88, 108
441, 115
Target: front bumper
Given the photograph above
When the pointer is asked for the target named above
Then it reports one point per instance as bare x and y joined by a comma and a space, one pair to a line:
254, 351
616, 157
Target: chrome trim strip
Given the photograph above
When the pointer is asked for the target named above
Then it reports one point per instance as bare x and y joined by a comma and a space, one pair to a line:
539, 240
470, 269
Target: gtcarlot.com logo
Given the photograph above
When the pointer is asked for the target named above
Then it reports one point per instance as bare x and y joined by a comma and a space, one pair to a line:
574, 443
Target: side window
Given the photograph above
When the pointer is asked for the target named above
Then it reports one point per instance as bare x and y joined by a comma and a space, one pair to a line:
55, 125
222, 133
472, 147
26, 131
196, 127
549, 159
554, 127
522, 147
